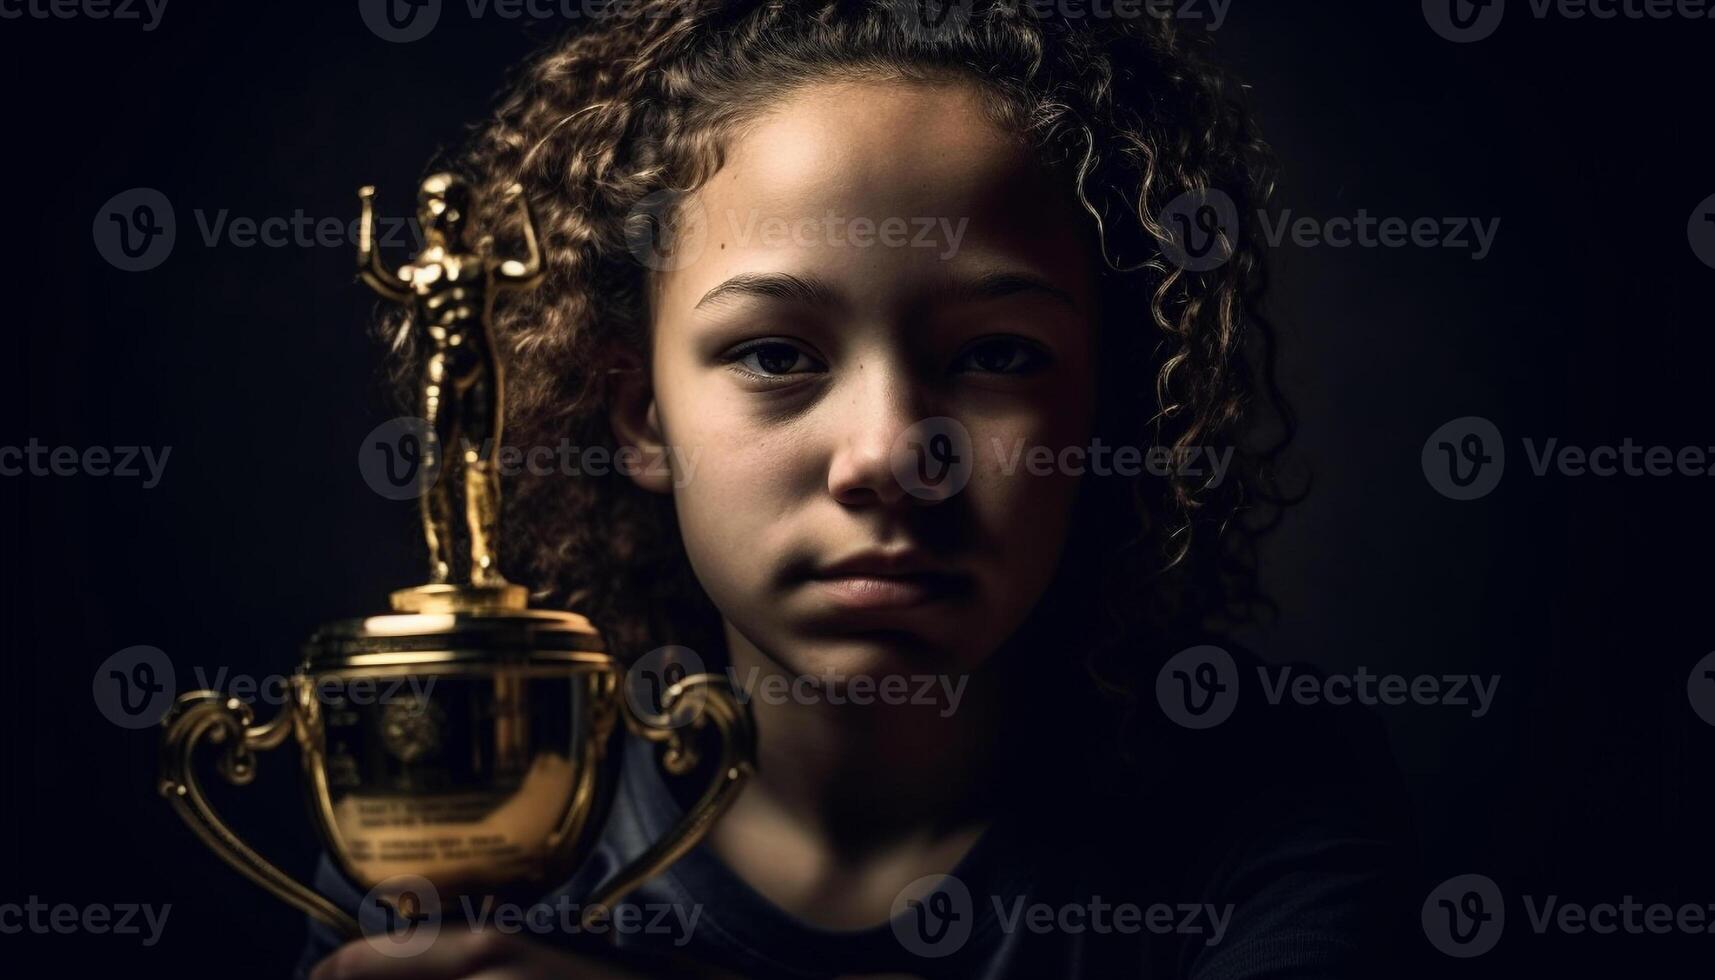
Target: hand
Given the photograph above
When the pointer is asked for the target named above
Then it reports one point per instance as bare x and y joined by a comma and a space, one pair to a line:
461, 955
366, 192
497, 956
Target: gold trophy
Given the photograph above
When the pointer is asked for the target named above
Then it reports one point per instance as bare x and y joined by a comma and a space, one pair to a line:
493, 776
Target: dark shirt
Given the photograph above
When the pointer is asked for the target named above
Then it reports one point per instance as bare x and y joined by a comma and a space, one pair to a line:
1272, 845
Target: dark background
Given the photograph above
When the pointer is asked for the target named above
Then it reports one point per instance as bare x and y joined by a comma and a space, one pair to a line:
1589, 322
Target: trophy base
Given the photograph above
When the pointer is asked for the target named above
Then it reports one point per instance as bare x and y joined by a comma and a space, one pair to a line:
460, 598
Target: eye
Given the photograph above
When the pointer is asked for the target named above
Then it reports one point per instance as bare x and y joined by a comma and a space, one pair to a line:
1002, 355
771, 359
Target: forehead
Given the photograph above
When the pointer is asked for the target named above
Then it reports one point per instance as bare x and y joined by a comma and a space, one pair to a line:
809, 186
912, 148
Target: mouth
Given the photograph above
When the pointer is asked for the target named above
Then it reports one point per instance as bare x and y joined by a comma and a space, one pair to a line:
889, 591
897, 580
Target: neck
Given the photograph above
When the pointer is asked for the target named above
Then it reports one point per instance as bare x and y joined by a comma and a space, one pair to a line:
864, 761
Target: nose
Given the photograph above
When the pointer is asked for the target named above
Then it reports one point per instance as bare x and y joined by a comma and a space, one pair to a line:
870, 410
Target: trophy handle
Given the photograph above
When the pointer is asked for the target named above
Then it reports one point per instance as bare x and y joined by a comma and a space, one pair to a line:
711, 699
220, 720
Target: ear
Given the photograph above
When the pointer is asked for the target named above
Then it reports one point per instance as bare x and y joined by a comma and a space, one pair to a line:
632, 415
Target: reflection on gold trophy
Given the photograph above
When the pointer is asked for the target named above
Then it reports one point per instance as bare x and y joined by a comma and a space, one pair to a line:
462, 738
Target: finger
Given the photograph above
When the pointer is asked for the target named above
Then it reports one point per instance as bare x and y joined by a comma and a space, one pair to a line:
451, 956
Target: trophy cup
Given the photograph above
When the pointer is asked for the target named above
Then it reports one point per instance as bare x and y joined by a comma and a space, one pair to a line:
493, 777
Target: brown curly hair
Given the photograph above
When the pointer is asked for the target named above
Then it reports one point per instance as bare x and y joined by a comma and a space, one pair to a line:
1132, 112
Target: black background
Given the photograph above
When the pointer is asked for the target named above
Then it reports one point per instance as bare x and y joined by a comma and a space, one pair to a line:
1589, 323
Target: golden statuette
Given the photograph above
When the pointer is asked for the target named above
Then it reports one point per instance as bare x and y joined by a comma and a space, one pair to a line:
463, 739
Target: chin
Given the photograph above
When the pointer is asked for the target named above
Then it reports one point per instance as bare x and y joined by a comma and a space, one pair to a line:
883, 651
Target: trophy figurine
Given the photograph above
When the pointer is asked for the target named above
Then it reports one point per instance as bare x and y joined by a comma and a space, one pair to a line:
492, 775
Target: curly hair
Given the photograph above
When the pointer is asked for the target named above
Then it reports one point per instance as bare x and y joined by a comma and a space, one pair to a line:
1131, 112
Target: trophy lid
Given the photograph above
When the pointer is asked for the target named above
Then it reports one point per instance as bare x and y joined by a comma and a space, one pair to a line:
447, 628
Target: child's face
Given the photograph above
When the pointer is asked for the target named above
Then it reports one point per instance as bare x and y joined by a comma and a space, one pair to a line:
863, 334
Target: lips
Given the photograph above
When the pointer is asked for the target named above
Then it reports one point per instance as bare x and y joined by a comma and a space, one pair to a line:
883, 580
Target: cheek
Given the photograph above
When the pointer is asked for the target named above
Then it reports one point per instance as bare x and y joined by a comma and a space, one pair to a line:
740, 478
1021, 498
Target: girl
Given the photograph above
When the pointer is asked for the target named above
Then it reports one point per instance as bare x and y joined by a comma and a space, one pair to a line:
871, 284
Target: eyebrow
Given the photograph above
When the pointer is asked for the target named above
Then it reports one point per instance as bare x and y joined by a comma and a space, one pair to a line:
815, 292
774, 285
